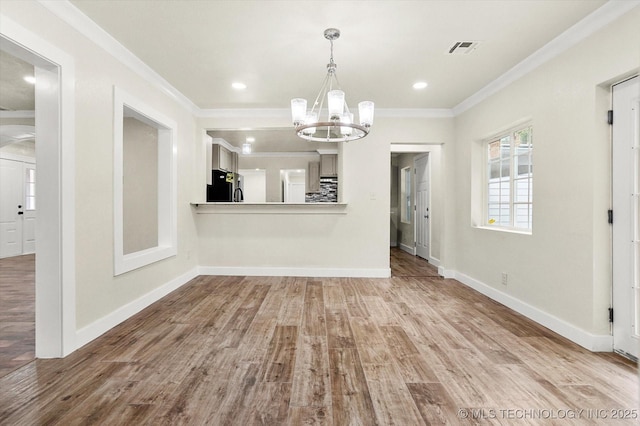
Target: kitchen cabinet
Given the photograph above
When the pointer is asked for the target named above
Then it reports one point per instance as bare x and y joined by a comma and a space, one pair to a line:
313, 177
222, 158
234, 162
329, 165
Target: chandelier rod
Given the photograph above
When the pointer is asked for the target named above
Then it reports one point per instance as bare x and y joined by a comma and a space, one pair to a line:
321, 95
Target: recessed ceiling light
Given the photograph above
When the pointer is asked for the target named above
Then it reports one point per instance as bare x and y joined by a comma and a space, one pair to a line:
238, 86
30, 79
420, 85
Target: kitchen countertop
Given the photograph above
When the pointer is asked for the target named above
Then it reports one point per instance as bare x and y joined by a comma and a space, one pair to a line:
269, 208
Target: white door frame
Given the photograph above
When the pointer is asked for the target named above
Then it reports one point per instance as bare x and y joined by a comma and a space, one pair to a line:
55, 121
417, 148
626, 112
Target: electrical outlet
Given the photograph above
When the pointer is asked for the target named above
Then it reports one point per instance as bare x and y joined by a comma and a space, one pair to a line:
505, 278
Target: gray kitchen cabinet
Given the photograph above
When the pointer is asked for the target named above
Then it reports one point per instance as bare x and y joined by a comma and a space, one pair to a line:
329, 165
234, 162
313, 177
222, 158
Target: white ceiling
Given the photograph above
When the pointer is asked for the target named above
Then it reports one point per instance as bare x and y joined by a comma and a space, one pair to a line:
15, 93
278, 50
274, 139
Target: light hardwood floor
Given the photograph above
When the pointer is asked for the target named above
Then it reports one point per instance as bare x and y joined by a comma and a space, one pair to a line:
410, 350
17, 312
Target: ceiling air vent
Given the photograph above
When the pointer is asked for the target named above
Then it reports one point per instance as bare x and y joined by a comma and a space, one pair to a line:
463, 47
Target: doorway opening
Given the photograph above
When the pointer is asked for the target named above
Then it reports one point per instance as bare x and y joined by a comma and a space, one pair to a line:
54, 186
412, 226
17, 212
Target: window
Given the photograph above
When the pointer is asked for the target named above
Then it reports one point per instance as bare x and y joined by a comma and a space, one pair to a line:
405, 195
510, 180
30, 187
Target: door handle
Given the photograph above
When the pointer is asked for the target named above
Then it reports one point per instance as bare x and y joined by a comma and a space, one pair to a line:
20, 212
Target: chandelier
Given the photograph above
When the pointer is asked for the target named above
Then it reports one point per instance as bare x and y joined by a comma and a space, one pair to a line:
338, 126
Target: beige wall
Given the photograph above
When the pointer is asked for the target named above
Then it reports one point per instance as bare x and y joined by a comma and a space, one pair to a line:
140, 186
272, 166
358, 239
98, 293
563, 268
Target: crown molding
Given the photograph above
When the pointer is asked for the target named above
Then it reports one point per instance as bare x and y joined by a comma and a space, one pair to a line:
224, 143
85, 26
286, 113
414, 112
18, 114
244, 113
322, 151
281, 154
600, 17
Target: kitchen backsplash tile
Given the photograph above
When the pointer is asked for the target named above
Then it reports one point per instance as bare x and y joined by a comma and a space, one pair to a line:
328, 191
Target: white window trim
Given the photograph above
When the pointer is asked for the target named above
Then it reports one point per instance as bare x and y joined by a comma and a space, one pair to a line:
485, 182
167, 172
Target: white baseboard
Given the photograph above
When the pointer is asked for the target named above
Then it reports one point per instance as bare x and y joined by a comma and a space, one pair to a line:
592, 342
409, 249
446, 273
267, 271
434, 261
104, 324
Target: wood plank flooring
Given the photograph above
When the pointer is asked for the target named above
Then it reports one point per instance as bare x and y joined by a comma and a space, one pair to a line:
409, 350
17, 312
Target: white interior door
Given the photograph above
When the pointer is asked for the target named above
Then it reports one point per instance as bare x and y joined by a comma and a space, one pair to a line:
11, 193
626, 233
422, 216
17, 208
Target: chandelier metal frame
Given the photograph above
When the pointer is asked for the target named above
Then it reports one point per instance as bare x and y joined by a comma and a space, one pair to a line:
338, 127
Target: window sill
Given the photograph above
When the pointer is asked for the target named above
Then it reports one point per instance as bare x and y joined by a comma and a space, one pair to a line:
507, 230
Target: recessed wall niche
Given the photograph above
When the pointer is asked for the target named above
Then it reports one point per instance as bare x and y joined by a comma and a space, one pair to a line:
144, 184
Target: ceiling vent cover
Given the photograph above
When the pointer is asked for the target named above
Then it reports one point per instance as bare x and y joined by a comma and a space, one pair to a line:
463, 47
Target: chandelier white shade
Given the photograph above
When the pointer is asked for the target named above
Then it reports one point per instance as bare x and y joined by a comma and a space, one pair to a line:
336, 122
